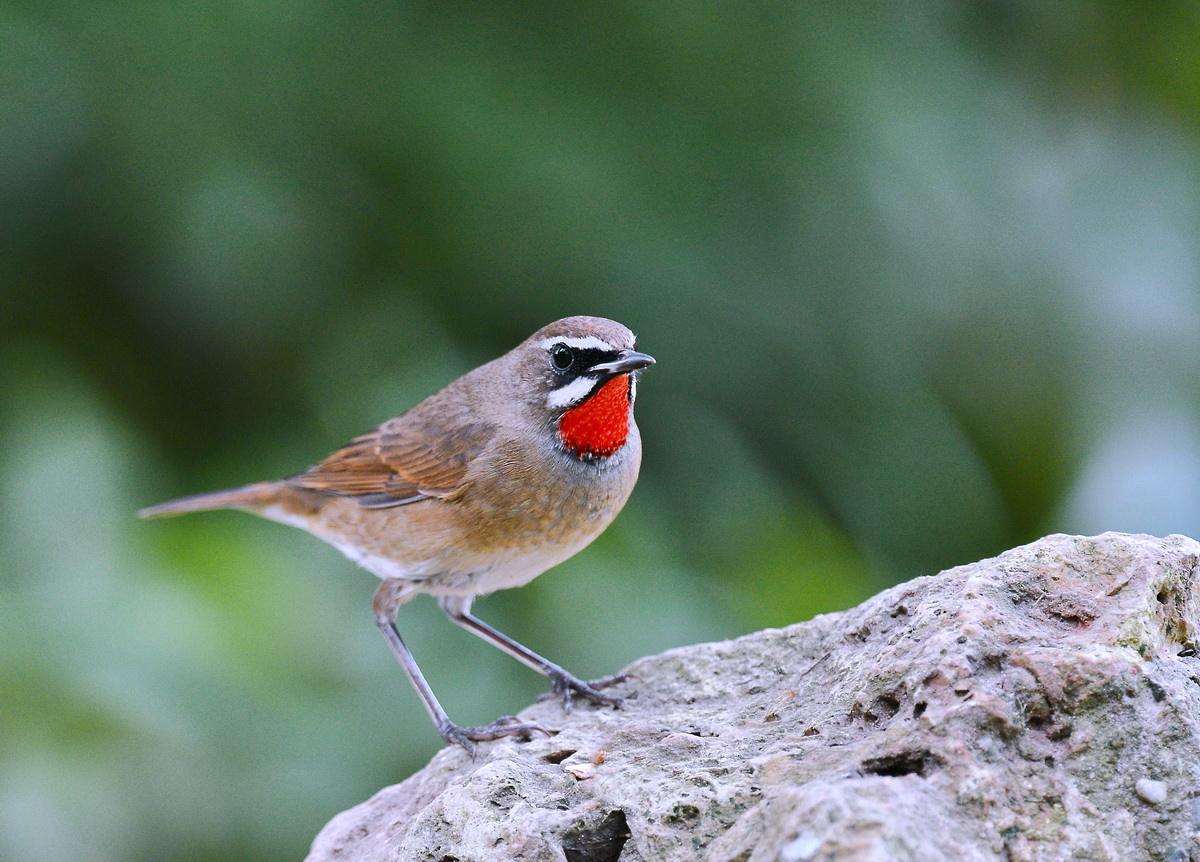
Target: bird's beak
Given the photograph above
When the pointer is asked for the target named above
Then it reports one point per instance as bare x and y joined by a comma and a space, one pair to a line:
629, 360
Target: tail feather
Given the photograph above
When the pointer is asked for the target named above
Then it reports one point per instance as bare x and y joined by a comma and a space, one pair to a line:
247, 497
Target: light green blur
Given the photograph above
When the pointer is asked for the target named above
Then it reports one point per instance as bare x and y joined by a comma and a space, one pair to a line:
922, 280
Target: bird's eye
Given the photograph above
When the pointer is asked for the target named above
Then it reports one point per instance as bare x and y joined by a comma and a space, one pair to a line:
562, 357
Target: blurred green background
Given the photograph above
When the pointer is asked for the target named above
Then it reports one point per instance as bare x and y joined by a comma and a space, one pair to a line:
923, 281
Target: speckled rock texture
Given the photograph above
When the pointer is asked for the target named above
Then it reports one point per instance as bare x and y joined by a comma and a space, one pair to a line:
1042, 705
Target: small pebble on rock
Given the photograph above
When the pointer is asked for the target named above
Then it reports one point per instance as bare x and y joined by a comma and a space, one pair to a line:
801, 848
581, 771
1151, 791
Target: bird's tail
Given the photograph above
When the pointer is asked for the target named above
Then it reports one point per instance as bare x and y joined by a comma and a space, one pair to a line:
247, 497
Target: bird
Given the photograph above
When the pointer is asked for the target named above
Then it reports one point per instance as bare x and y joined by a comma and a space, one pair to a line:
506, 472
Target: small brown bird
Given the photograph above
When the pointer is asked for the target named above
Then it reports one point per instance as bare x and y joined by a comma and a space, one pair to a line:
508, 471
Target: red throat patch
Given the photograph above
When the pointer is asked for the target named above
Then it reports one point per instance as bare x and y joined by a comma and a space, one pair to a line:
599, 426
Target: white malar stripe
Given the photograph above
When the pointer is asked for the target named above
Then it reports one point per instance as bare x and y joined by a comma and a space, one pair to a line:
582, 342
572, 393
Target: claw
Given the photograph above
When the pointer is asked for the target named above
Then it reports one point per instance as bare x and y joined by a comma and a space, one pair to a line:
610, 681
567, 686
507, 725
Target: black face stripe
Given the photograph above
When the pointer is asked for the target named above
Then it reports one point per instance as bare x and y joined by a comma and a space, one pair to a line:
575, 384
593, 356
585, 359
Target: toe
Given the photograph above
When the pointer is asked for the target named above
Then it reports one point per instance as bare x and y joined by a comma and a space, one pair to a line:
507, 726
609, 681
455, 735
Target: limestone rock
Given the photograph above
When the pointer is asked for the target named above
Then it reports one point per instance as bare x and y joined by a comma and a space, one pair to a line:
1041, 705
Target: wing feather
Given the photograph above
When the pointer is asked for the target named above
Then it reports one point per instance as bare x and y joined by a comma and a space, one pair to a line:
422, 454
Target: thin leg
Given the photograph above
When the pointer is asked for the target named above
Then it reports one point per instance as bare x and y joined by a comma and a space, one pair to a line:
387, 600
565, 683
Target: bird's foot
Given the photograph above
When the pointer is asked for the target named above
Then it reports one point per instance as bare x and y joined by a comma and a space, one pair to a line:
507, 725
567, 686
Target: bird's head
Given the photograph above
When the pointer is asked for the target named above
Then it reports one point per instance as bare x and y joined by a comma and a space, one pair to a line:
581, 377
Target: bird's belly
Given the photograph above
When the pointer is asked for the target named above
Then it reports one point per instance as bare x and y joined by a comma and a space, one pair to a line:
500, 572
472, 554
466, 568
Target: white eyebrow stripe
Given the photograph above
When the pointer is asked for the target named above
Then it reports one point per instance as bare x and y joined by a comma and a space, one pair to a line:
582, 342
573, 392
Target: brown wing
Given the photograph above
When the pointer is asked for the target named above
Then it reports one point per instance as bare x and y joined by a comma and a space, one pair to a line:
406, 459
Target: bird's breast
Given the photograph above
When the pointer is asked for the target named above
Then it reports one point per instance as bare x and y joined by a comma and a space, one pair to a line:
548, 497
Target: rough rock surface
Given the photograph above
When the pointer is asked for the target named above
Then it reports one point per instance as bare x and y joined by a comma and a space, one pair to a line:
1041, 705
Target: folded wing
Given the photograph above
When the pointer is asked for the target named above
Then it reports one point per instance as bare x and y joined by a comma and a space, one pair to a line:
407, 459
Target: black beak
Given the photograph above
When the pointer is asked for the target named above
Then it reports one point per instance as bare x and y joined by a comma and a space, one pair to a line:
628, 360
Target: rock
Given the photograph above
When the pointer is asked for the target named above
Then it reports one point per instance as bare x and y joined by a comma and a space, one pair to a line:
999, 710
1151, 791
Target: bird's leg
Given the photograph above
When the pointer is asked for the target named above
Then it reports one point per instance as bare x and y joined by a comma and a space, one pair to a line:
565, 684
388, 598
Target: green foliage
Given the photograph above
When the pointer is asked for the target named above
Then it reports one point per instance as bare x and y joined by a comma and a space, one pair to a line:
921, 281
